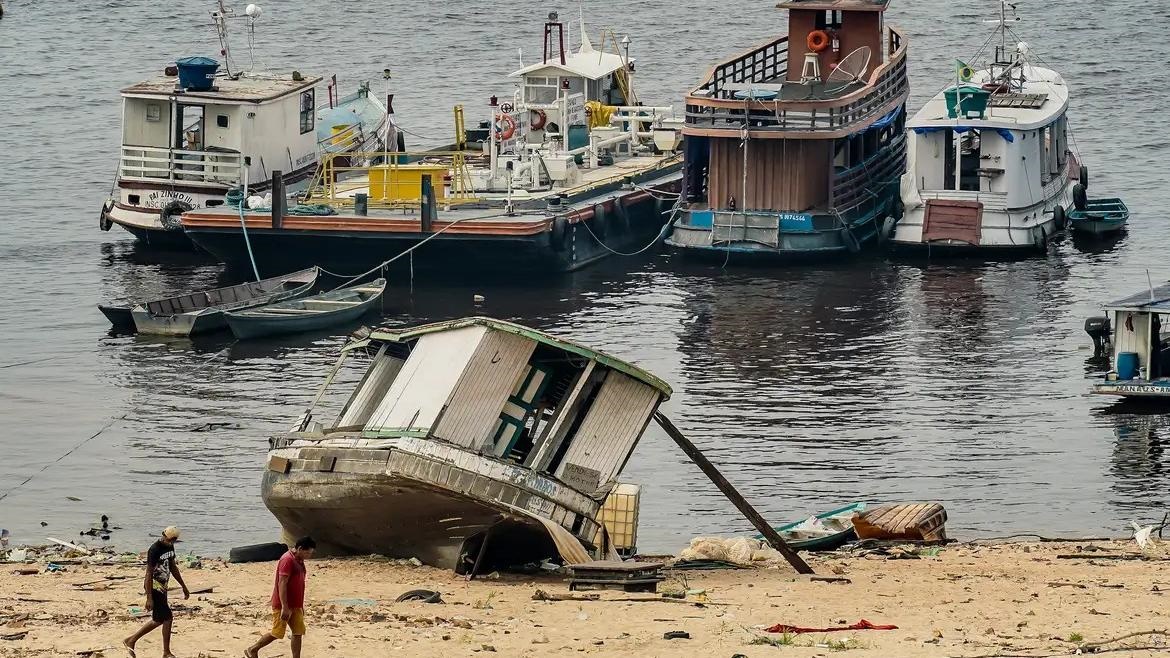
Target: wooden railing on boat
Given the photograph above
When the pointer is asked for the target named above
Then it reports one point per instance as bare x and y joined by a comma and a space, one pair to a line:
711, 109
153, 164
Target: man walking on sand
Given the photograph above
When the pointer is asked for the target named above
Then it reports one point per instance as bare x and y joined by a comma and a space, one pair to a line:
160, 566
288, 599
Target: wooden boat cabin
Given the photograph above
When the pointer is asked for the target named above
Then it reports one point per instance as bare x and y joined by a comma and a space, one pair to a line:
796, 147
463, 437
1139, 356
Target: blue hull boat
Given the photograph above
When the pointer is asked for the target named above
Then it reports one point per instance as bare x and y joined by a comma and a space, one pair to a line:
1099, 217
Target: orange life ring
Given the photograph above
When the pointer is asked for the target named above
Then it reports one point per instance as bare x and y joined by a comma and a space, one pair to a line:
818, 40
505, 127
539, 118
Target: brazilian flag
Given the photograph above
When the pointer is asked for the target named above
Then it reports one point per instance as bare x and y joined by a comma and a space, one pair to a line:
963, 71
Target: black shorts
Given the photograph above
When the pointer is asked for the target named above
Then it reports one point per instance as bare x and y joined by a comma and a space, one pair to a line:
160, 609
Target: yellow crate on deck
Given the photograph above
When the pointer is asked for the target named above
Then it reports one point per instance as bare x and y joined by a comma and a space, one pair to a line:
403, 182
619, 515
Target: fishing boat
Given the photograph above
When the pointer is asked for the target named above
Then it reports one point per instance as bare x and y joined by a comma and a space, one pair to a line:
1099, 217
569, 170
823, 532
912, 521
206, 126
468, 444
794, 148
322, 311
992, 167
203, 312
1132, 335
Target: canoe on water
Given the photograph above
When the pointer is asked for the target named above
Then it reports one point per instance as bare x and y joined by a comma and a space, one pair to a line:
823, 532
203, 312
321, 311
1099, 217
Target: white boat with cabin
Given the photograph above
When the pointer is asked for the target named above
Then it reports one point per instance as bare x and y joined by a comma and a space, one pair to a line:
991, 165
206, 126
1138, 348
468, 444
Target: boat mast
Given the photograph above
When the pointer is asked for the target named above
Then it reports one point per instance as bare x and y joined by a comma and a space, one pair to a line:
225, 49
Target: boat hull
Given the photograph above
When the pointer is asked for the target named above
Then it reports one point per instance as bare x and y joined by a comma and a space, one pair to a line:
1096, 228
119, 316
697, 242
1136, 389
246, 327
350, 245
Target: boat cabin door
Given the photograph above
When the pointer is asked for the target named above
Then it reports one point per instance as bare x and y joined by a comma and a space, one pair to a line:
189, 130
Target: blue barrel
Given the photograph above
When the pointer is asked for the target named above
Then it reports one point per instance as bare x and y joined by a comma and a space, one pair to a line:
196, 73
1127, 365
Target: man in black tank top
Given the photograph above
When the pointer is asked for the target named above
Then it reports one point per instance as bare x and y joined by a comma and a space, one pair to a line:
160, 566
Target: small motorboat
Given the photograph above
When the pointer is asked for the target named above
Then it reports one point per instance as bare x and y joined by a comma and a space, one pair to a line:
1099, 217
823, 532
203, 312
913, 521
321, 311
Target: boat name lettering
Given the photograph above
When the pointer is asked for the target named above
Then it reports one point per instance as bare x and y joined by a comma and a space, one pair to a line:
1131, 388
163, 197
541, 485
305, 159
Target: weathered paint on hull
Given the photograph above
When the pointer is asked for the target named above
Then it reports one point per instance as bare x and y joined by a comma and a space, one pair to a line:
1143, 390
363, 514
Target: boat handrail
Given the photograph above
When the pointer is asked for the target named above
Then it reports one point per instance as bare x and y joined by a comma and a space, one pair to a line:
707, 113
152, 163
338, 178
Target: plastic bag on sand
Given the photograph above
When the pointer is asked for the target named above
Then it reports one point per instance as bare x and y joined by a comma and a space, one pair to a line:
740, 550
705, 548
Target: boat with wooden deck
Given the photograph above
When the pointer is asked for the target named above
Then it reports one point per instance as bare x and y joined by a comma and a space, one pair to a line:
1137, 345
571, 169
912, 521
327, 309
795, 148
992, 167
203, 312
467, 444
1099, 217
206, 126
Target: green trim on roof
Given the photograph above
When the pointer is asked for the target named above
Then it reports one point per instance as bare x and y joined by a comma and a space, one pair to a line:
413, 333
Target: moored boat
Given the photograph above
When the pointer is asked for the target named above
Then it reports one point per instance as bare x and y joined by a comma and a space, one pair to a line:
206, 126
321, 311
794, 149
467, 444
1099, 217
992, 167
824, 532
570, 170
1137, 346
203, 312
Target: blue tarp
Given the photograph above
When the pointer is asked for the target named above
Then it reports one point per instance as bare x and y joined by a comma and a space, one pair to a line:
886, 120
1003, 132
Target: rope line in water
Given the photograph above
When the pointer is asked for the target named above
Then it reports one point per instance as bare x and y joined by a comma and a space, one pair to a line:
69, 452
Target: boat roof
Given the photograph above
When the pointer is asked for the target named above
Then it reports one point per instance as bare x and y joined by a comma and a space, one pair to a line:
1151, 300
414, 333
585, 63
836, 5
246, 87
1039, 82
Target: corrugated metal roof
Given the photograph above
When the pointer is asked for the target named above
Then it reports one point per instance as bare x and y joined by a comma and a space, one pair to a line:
1156, 301
413, 333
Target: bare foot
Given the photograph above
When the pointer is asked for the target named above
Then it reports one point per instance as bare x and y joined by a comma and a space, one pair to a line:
129, 647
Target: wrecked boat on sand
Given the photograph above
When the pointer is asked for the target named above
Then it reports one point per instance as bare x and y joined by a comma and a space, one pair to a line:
467, 444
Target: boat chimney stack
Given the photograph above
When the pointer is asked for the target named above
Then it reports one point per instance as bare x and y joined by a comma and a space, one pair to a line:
554, 26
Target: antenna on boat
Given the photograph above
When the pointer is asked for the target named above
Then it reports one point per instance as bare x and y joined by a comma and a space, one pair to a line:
1150, 282
225, 48
253, 12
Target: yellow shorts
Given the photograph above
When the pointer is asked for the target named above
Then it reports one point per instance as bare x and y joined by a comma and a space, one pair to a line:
296, 624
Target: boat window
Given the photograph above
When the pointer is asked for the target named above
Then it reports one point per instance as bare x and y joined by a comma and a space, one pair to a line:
153, 112
308, 104
829, 19
221, 120
540, 90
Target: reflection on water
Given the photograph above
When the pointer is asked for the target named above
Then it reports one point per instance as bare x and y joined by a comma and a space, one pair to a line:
1138, 466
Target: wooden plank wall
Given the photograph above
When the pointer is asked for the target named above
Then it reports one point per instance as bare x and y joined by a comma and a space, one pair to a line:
785, 175
369, 393
490, 377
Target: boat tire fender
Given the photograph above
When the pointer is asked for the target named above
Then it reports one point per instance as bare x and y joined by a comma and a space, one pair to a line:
537, 120
623, 215
169, 217
599, 221
818, 40
1040, 237
1084, 177
558, 232
850, 240
1080, 197
269, 552
104, 221
1060, 216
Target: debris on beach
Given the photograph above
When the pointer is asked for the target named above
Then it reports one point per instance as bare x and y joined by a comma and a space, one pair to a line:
742, 551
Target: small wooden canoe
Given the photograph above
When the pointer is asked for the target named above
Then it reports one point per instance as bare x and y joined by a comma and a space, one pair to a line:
823, 532
118, 315
203, 312
914, 521
1099, 217
321, 311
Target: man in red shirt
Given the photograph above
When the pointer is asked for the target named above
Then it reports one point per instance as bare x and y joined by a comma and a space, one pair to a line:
288, 599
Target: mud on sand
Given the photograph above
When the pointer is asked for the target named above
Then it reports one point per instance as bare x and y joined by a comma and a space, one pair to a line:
1016, 599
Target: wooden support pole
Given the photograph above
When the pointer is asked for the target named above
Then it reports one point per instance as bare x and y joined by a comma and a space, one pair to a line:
769, 533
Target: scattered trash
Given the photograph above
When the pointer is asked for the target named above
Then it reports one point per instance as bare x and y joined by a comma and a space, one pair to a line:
80, 549
73, 498
541, 595
4, 535
424, 595
742, 551
26, 572
137, 612
53, 567
676, 635
14, 636
862, 625
17, 555
1142, 535
925, 521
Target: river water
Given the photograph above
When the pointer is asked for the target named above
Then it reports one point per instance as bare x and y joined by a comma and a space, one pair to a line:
811, 386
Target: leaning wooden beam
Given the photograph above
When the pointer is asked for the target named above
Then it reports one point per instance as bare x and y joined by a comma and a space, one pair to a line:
769, 533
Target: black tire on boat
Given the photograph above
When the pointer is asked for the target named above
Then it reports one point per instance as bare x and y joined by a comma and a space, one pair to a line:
1041, 240
171, 213
1080, 197
598, 223
1060, 216
269, 552
1084, 178
104, 221
558, 233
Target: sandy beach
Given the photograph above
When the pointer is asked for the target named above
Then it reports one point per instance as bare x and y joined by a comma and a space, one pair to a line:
968, 600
